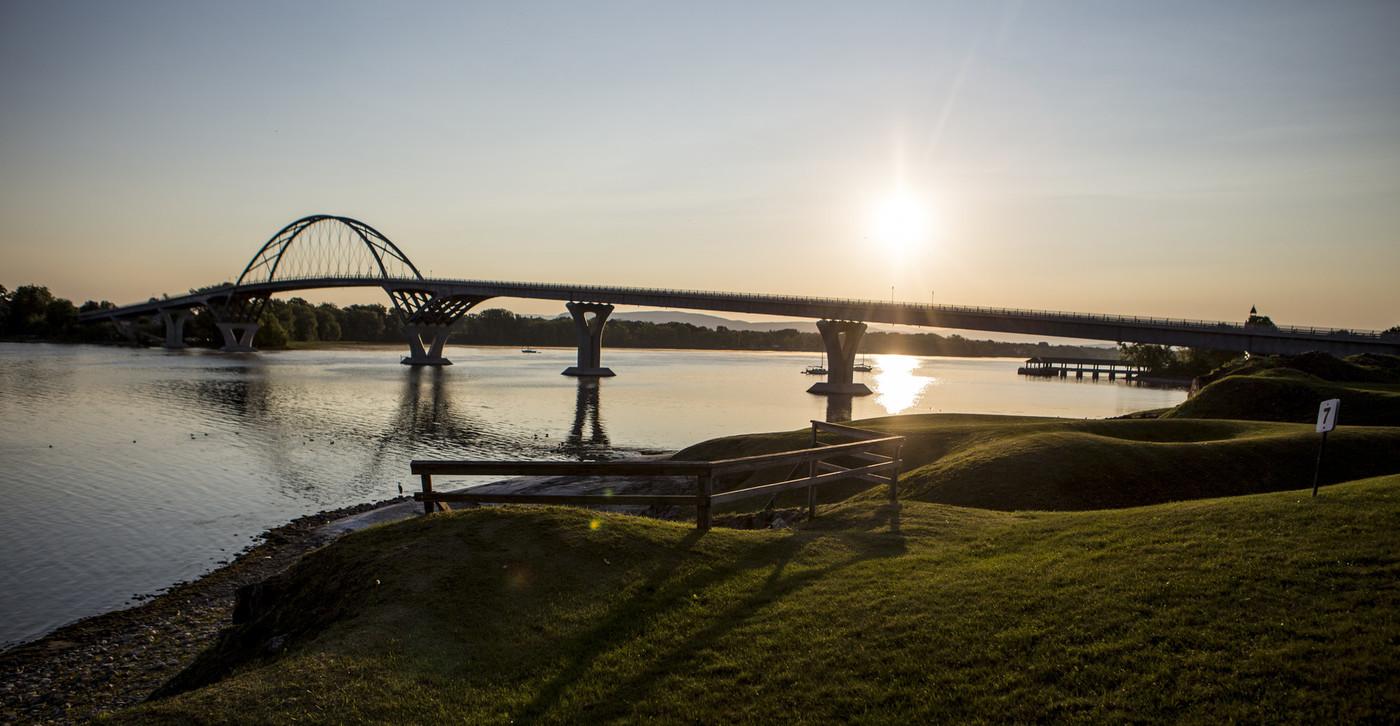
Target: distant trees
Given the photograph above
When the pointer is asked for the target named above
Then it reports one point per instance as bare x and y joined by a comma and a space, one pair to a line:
33, 312
1164, 360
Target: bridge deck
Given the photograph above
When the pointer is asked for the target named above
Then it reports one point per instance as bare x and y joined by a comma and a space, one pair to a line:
1166, 331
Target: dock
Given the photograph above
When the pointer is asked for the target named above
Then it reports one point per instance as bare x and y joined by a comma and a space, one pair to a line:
1047, 367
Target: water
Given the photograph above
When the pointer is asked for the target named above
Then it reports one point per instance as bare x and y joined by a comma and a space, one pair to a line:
125, 470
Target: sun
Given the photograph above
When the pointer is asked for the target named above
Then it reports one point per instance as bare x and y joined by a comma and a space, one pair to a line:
899, 221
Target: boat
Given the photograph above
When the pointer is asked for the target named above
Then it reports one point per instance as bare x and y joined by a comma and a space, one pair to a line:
528, 350
814, 370
862, 366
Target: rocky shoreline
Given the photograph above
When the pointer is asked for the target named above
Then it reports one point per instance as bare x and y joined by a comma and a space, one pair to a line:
106, 662
110, 661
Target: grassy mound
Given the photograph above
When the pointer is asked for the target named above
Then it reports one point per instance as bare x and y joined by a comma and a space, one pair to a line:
1017, 463
1285, 394
1364, 368
1261, 608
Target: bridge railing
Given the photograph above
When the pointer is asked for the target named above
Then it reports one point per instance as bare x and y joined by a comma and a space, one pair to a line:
922, 307
869, 456
603, 291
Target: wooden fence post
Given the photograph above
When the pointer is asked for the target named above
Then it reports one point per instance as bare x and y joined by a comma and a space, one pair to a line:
427, 489
812, 473
703, 491
894, 474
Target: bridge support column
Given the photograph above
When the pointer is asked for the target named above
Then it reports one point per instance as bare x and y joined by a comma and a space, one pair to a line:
174, 321
842, 339
590, 338
425, 344
238, 337
127, 328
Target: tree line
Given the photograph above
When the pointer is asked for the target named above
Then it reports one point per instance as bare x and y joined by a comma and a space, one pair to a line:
32, 312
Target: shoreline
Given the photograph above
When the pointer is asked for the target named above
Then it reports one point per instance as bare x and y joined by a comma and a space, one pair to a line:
387, 344
112, 660
115, 659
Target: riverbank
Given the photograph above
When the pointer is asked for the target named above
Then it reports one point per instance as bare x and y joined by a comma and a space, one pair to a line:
116, 659
1268, 607
107, 662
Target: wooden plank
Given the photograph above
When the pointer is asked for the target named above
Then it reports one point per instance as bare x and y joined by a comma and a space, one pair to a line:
801, 455
797, 483
560, 468
681, 499
849, 432
427, 489
872, 457
826, 466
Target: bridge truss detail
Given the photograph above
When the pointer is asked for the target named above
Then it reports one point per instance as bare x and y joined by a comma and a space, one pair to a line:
327, 246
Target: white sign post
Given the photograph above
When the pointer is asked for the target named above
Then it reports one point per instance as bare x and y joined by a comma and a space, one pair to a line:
1326, 421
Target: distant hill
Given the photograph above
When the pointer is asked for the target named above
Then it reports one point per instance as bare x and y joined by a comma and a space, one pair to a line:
713, 321
808, 326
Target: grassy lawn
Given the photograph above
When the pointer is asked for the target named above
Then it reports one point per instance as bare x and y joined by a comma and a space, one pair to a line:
1264, 607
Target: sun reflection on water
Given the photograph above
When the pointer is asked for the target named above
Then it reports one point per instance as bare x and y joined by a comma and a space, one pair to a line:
897, 385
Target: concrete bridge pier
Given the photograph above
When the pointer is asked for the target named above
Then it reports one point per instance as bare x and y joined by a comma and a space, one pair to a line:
590, 338
174, 321
127, 328
238, 337
425, 344
842, 339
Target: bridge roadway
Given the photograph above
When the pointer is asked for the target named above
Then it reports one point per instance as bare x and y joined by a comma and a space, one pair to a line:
1258, 339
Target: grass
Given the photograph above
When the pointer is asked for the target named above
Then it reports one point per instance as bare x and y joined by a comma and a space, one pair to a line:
1272, 607
1283, 394
1154, 568
1018, 463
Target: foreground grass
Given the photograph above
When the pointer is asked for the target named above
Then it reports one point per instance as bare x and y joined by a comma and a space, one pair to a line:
1265, 607
1017, 463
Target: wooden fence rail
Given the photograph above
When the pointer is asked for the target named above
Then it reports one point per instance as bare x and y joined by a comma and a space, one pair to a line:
877, 454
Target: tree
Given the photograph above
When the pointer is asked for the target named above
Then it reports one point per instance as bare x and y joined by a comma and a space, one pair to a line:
1153, 358
363, 322
60, 318
305, 326
327, 324
29, 308
270, 333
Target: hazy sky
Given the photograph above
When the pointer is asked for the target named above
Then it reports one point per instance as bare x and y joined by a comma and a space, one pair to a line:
1162, 158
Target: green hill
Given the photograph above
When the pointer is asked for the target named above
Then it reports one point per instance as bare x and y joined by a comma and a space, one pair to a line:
1285, 394
1017, 463
1272, 607
1289, 388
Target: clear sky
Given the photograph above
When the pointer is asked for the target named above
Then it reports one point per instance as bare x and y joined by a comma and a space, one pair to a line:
1160, 158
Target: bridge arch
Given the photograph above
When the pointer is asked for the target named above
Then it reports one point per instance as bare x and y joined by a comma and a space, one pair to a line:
328, 246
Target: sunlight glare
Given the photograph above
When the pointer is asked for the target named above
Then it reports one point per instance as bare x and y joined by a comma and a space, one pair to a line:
900, 221
897, 385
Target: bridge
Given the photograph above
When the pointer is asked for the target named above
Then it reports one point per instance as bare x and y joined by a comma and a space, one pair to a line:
325, 251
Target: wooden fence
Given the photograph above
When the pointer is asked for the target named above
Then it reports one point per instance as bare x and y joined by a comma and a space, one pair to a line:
866, 455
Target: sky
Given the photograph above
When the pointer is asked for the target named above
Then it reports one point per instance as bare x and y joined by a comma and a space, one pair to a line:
1183, 159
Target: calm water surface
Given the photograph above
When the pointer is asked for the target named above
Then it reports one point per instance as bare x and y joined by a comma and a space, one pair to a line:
124, 470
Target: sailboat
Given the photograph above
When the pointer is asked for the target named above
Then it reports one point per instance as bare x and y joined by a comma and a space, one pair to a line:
817, 370
862, 366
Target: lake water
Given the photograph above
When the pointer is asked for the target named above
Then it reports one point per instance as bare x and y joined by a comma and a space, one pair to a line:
126, 470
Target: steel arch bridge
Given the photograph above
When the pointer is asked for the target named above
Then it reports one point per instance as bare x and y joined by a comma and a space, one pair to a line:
329, 251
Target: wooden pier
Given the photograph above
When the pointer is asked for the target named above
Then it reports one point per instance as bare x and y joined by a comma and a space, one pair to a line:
1062, 368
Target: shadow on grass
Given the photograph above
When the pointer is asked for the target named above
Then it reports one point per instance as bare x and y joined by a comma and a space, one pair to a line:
631, 618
